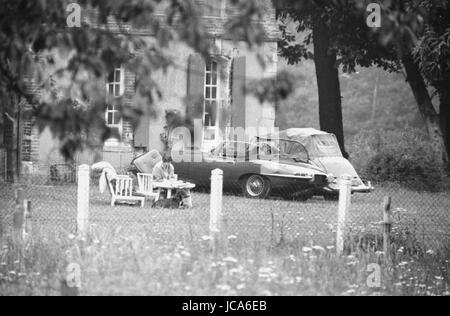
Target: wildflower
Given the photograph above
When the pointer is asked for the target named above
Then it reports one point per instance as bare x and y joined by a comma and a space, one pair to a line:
230, 260
430, 252
265, 272
185, 253
329, 248
232, 237
241, 286
306, 249
71, 236
402, 264
350, 292
439, 278
318, 248
223, 287
206, 238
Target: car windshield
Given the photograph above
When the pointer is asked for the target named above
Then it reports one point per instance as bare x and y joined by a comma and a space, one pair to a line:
325, 146
293, 150
245, 151
232, 150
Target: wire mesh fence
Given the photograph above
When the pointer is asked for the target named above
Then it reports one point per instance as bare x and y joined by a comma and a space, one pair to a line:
422, 220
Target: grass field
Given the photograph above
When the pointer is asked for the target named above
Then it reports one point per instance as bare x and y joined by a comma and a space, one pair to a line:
271, 247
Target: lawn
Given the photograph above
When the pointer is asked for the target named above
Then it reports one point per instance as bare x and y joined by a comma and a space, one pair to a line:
271, 247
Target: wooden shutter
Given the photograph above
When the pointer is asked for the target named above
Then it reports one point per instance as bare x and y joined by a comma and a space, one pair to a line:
238, 110
195, 87
142, 133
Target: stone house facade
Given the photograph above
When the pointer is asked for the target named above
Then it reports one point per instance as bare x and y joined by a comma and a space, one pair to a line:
220, 82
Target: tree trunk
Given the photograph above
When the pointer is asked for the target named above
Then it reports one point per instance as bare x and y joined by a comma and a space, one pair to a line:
426, 108
375, 99
444, 111
330, 102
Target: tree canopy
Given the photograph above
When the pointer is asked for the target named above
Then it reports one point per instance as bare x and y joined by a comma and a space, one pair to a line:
58, 72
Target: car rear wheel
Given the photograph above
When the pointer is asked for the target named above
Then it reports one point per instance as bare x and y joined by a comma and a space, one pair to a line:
256, 187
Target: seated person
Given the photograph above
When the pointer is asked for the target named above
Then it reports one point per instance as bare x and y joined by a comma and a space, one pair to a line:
164, 169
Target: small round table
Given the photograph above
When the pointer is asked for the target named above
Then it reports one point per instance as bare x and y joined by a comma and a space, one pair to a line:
171, 185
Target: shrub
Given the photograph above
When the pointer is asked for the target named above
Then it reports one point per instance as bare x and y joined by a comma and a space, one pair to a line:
401, 157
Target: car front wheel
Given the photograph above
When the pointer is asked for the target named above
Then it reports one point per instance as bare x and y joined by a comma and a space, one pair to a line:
256, 187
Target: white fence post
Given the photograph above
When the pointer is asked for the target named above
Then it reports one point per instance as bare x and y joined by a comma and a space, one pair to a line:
345, 201
83, 199
215, 219
387, 227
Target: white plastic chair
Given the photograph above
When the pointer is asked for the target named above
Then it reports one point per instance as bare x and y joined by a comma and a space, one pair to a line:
145, 182
123, 191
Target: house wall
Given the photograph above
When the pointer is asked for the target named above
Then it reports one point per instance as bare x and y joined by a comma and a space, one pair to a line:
173, 85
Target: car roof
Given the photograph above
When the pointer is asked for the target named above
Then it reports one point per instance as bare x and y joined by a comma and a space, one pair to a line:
294, 133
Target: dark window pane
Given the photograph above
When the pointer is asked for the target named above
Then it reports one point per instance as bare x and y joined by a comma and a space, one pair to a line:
213, 113
208, 79
207, 119
208, 66
117, 90
214, 79
110, 118
214, 67
111, 89
117, 79
214, 93
208, 93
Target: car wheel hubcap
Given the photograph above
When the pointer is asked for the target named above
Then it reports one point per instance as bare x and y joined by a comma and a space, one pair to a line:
255, 186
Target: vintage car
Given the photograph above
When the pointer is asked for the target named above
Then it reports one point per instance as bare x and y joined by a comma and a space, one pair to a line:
254, 169
322, 150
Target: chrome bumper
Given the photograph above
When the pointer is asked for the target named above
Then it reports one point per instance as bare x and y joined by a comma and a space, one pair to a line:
364, 188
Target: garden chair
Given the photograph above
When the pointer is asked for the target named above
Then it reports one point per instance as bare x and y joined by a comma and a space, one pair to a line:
145, 182
145, 163
122, 190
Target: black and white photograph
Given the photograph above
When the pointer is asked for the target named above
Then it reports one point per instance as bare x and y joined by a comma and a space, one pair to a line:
226, 155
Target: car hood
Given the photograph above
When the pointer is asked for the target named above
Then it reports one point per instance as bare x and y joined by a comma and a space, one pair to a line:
337, 166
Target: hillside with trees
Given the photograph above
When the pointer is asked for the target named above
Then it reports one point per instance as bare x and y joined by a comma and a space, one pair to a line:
372, 100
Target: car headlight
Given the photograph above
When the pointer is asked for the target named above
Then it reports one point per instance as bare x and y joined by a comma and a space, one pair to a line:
332, 179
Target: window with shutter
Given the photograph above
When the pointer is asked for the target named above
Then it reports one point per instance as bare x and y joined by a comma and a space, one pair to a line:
115, 88
212, 102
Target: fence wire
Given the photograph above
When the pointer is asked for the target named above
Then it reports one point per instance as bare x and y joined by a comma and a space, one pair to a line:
422, 219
